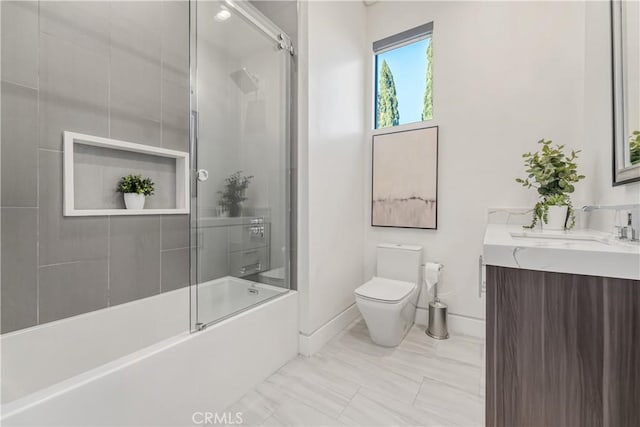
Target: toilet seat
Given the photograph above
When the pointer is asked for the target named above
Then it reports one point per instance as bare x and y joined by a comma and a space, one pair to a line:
385, 290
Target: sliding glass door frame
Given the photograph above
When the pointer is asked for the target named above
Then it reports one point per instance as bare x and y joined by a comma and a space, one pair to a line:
282, 42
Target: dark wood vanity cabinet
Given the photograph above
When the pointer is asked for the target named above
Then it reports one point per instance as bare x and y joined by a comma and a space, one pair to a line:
562, 349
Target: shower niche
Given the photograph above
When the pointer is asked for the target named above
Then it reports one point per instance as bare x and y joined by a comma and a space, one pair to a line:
94, 165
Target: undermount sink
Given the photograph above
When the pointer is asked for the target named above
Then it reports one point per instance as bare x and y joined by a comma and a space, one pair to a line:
559, 236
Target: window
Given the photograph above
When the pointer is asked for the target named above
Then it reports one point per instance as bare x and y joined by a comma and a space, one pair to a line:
404, 78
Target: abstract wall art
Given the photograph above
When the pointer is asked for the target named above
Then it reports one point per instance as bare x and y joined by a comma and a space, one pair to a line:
405, 179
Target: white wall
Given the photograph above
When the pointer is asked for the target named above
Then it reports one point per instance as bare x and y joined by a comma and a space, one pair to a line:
598, 119
506, 74
331, 159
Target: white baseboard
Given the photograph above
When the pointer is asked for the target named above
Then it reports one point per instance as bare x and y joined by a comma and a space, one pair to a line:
310, 344
457, 324
467, 325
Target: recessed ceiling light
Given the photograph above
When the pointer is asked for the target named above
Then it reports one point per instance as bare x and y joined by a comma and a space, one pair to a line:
223, 15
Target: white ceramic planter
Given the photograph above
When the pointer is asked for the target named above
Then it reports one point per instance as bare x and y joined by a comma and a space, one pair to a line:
134, 201
556, 218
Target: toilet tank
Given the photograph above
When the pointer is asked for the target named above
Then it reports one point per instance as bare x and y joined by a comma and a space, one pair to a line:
399, 262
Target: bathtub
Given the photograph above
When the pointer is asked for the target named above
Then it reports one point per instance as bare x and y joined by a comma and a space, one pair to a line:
221, 298
137, 363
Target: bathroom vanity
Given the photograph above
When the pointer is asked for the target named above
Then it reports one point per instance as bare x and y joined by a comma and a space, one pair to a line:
563, 329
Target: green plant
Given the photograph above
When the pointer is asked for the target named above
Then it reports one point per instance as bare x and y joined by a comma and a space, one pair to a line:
234, 191
553, 174
427, 107
388, 113
136, 184
634, 147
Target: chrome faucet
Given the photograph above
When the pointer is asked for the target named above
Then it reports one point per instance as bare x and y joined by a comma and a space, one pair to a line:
626, 232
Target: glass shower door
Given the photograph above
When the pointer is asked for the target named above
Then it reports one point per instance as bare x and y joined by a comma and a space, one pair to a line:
240, 151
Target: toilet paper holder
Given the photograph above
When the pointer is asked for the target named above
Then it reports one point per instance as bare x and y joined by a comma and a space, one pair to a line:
437, 327
424, 279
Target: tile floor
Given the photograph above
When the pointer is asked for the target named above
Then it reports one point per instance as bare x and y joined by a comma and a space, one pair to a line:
351, 381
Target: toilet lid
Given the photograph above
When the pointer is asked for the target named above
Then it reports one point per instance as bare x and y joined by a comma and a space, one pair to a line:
385, 289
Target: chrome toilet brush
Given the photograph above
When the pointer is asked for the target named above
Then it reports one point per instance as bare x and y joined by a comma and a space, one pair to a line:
437, 317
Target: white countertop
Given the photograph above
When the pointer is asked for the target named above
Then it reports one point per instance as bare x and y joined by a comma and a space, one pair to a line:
587, 252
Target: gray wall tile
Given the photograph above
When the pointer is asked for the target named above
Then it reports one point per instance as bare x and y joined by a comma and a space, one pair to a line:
175, 269
175, 41
19, 145
74, 91
175, 115
98, 68
136, 64
19, 38
175, 231
136, 28
80, 22
65, 239
134, 258
213, 252
73, 288
136, 72
135, 86
175, 73
128, 127
19, 268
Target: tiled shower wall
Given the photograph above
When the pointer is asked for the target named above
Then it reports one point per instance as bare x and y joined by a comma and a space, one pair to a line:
112, 69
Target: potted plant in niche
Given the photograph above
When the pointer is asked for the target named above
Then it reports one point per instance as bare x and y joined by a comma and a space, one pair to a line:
135, 189
235, 188
553, 174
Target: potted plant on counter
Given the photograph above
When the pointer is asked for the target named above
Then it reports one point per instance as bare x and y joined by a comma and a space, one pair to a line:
553, 174
135, 190
234, 191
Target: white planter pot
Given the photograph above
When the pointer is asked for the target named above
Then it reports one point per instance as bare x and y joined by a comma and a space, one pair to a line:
556, 218
134, 201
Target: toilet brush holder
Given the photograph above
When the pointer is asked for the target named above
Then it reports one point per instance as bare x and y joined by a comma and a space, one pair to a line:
438, 320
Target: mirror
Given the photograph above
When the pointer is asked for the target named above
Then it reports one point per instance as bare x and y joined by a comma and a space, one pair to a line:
625, 27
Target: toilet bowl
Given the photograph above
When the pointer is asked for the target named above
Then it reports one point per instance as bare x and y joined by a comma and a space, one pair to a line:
388, 308
388, 301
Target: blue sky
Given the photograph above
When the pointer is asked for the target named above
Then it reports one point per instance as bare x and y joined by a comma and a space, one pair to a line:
409, 67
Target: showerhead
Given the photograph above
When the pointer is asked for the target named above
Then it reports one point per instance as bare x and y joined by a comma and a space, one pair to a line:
246, 81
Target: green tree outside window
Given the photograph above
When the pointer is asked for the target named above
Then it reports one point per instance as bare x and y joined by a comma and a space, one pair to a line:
388, 114
427, 109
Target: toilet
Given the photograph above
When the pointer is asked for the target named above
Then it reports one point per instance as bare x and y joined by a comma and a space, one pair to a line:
387, 302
